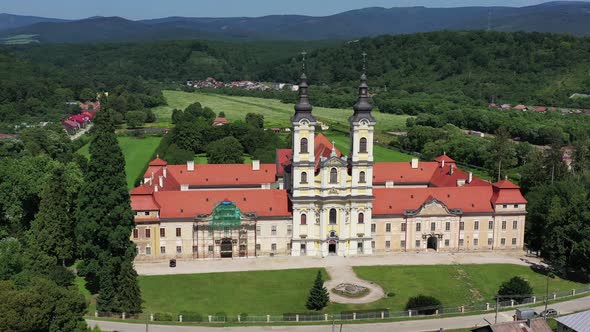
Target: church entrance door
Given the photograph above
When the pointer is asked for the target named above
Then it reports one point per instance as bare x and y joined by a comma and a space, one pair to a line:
433, 243
332, 248
226, 248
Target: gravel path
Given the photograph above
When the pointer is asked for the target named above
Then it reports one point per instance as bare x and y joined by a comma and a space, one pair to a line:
344, 274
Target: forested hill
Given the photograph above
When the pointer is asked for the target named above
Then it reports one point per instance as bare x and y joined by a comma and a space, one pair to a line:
557, 17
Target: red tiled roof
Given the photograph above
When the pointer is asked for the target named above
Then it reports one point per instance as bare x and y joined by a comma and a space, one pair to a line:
444, 157
505, 184
323, 148
398, 200
283, 159
158, 162
220, 121
144, 203
402, 172
7, 135
223, 175
188, 204
506, 192
142, 190
442, 177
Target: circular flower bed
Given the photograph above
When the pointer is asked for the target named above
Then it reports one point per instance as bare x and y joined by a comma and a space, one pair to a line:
350, 290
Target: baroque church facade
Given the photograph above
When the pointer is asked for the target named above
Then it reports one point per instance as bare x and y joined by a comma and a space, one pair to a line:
314, 201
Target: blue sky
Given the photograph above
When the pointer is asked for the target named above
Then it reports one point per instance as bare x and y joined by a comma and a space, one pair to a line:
139, 9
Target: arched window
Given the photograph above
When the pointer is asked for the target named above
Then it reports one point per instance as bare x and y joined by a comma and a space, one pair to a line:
361, 219
333, 175
363, 145
333, 216
303, 177
304, 145
303, 219
362, 178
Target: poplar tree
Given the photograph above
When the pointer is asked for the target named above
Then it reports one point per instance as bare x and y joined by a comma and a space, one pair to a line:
318, 295
105, 218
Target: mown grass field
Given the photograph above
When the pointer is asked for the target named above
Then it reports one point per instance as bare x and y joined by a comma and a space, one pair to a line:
137, 152
276, 114
277, 292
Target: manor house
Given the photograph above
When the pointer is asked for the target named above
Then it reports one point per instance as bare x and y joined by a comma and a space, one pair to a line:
314, 201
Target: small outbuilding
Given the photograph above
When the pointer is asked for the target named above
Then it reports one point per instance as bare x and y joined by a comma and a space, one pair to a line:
579, 322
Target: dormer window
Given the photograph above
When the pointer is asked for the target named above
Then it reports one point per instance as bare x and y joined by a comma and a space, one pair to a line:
303, 147
363, 145
333, 175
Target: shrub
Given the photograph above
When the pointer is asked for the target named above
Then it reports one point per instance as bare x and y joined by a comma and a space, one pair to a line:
516, 287
221, 315
191, 316
423, 304
163, 317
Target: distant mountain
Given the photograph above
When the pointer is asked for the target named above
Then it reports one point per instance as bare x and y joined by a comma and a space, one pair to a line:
559, 17
9, 21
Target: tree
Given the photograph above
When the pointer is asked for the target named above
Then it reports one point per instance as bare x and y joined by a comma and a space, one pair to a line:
318, 295
53, 228
195, 111
221, 114
128, 292
86, 94
150, 117
255, 120
104, 214
135, 119
502, 153
176, 156
516, 287
423, 304
225, 151
177, 116
11, 260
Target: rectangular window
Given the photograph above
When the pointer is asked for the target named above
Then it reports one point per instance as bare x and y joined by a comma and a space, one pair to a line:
461, 225
273, 247
490, 241
273, 230
491, 225
503, 241
162, 250
289, 246
135, 233
516, 206
258, 230
387, 244
418, 227
210, 249
195, 248
289, 229
178, 232
226, 231
432, 226
403, 244
403, 227
179, 249
417, 243
515, 224
162, 232
461, 242
146, 213
258, 247
476, 242
513, 241
476, 225
388, 228
373, 244
503, 224
505, 206
447, 242
210, 231
148, 250
447, 226
148, 233
373, 228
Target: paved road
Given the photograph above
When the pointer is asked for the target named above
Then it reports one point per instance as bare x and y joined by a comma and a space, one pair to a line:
406, 326
290, 262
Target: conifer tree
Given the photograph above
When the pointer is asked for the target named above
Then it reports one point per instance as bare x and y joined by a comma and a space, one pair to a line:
318, 295
107, 299
128, 293
105, 218
52, 230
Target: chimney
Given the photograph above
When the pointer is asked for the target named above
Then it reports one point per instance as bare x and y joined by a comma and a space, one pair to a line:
255, 165
190, 165
470, 179
152, 178
415, 163
161, 182
442, 164
452, 169
156, 188
164, 170
389, 184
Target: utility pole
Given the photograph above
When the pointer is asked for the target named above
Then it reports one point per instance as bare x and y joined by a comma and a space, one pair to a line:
146, 322
497, 308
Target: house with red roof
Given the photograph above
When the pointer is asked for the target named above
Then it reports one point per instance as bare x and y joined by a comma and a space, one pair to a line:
220, 122
316, 201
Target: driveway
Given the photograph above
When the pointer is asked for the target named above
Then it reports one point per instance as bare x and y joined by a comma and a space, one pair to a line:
405, 326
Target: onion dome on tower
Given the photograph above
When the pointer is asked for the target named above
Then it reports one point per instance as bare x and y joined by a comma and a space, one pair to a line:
363, 108
303, 108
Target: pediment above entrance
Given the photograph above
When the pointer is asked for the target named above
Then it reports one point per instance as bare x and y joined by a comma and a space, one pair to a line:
433, 207
334, 162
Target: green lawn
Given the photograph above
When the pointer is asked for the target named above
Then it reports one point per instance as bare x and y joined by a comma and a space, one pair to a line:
277, 292
137, 152
201, 159
276, 114
272, 292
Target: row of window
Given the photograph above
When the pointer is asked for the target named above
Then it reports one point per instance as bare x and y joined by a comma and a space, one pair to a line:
333, 217
334, 176
148, 232
447, 226
447, 243
304, 145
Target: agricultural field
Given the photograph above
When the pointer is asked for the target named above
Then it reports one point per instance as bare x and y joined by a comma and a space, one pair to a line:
137, 152
276, 114
272, 292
